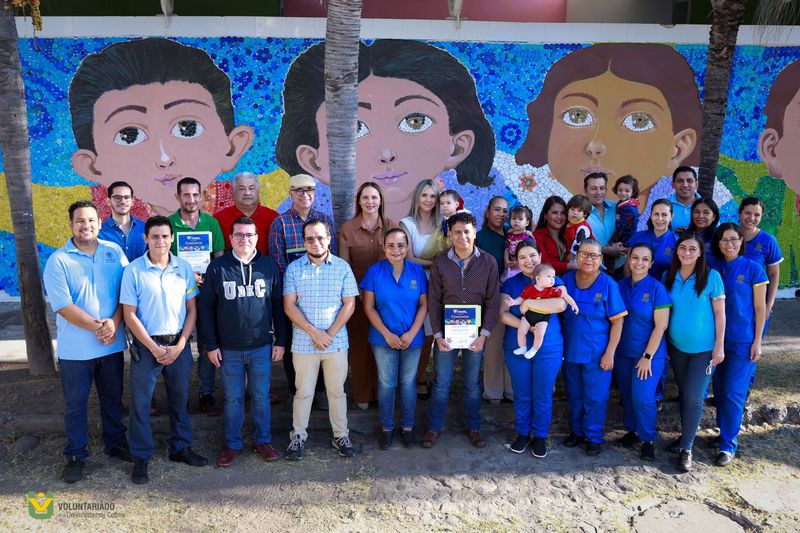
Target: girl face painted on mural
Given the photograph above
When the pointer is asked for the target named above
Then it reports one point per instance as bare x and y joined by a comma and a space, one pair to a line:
611, 125
153, 135
403, 137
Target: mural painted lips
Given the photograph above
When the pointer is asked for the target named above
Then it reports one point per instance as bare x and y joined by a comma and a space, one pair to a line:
388, 178
166, 180
592, 170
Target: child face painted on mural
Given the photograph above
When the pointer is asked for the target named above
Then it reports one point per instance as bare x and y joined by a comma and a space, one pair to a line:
403, 137
779, 150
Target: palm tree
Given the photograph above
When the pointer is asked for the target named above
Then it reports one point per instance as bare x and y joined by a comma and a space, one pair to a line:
17, 160
341, 96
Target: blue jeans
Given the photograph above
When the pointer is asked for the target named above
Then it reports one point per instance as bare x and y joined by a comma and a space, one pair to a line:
444, 362
639, 409
731, 383
394, 365
206, 372
256, 366
533, 381
143, 379
76, 383
692, 381
587, 396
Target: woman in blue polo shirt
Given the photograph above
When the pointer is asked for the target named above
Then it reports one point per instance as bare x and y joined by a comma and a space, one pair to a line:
760, 246
745, 311
658, 236
705, 218
532, 379
590, 341
395, 294
695, 334
642, 351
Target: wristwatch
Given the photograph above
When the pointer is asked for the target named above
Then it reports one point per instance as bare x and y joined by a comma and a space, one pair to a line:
647, 356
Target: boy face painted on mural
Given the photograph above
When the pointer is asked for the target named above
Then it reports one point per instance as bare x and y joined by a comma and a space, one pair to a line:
153, 134
778, 143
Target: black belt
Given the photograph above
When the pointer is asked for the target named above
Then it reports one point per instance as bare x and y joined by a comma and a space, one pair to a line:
166, 340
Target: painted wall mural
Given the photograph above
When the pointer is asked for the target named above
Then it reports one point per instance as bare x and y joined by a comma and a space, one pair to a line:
520, 120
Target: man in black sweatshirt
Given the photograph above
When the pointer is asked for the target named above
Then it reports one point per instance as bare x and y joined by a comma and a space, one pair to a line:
244, 328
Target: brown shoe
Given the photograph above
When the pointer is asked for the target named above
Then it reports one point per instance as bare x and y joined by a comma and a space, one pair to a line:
475, 438
429, 439
266, 451
227, 457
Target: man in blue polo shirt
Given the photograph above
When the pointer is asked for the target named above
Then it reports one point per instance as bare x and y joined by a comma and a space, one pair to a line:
684, 181
82, 281
158, 299
121, 227
603, 217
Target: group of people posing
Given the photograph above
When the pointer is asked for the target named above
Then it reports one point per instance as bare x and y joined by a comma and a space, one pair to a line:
582, 292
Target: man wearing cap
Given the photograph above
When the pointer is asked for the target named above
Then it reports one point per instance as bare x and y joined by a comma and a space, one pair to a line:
286, 244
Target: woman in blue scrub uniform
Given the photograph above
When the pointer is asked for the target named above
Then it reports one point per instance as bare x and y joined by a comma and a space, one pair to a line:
590, 340
642, 351
532, 379
658, 236
395, 294
746, 311
695, 334
705, 218
760, 246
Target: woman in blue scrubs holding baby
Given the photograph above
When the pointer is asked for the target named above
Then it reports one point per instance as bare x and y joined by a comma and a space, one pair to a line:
746, 312
642, 351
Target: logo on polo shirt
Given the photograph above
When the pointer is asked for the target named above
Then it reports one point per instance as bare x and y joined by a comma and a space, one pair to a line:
668, 251
740, 279
413, 284
598, 296
110, 257
645, 297
759, 247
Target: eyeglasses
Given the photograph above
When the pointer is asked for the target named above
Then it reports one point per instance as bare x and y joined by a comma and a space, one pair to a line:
121, 198
737, 240
308, 190
244, 235
595, 257
316, 239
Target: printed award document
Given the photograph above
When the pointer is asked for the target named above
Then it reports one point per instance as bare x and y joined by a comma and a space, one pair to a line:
461, 325
195, 247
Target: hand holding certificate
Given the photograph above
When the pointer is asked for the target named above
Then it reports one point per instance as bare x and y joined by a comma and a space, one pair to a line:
461, 325
195, 248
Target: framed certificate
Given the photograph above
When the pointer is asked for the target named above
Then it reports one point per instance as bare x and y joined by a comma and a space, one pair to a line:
461, 325
195, 248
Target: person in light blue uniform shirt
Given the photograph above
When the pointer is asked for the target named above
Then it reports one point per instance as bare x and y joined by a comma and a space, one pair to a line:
121, 227
684, 182
82, 281
532, 379
642, 352
745, 310
695, 334
395, 294
158, 299
590, 341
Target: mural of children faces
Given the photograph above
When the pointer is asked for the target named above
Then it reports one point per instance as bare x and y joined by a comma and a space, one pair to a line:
151, 112
605, 108
418, 116
778, 144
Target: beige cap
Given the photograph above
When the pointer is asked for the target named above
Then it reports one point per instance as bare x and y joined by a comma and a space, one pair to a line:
301, 180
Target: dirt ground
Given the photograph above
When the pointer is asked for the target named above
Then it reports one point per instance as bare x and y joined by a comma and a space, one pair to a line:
452, 487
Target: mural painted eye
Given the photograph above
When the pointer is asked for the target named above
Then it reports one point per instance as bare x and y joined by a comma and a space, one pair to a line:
415, 123
577, 117
130, 136
187, 129
361, 130
639, 122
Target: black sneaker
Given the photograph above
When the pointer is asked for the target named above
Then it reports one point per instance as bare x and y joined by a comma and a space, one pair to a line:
73, 470
295, 450
385, 440
188, 457
121, 451
519, 445
648, 451
674, 446
685, 461
629, 439
343, 446
573, 440
208, 406
724, 458
659, 405
593, 448
539, 447
409, 438
139, 473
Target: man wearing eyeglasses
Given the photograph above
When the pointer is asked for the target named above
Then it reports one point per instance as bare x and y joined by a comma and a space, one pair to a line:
319, 295
286, 244
246, 203
121, 227
244, 330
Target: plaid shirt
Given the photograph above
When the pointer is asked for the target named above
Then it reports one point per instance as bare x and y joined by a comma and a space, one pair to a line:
319, 291
286, 236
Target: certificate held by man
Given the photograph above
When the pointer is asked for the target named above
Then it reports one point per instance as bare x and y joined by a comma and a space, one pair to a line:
195, 247
461, 325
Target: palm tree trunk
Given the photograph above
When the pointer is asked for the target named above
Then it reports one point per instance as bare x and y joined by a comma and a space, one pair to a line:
17, 160
341, 97
727, 17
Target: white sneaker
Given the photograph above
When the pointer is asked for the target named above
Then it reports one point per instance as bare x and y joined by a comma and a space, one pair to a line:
530, 353
522, 350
